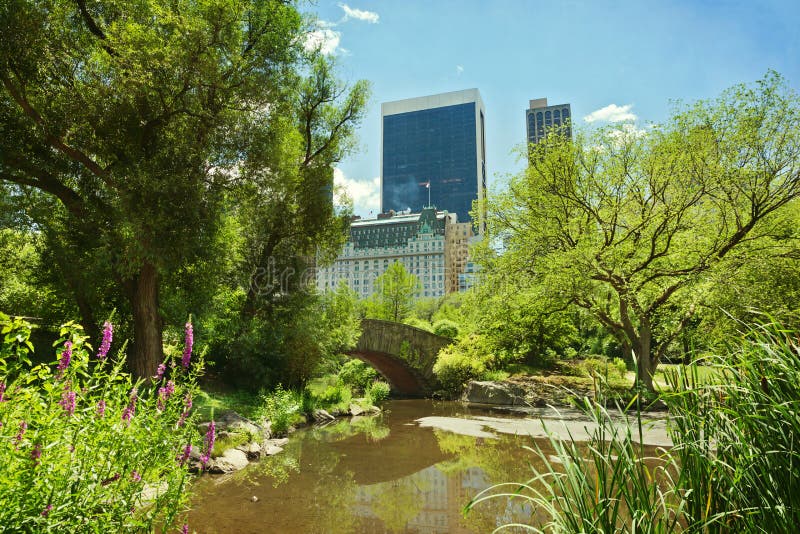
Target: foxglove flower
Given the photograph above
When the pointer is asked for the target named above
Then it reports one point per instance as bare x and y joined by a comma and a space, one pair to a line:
23, 426
101, 408
185, 529
36, 453
187, 348
135, 476
185, 455
46, 510
130, 409
108, 334
66, 356
187, 400
68, 401
160, 372
208, 443
164, 394
2, 391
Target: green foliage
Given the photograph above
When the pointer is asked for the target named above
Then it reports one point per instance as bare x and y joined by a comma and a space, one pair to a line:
378, 392
731, 468
282, 408
458, 364
446, 328
395, 292
332, 395
77, 452
418, 323
357, 374
630, 227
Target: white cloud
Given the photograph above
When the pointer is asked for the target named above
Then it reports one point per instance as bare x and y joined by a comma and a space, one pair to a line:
364, 193
459, 70
359, 14
625, 132
612, 113
326, 39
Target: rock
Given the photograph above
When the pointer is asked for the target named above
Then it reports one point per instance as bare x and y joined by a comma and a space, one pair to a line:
253, 499
494, 393
230, 461
252, 450
355, 409
321, 416
272, 450
273, 446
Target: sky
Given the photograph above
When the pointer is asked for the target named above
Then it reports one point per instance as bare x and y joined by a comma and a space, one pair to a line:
611, 61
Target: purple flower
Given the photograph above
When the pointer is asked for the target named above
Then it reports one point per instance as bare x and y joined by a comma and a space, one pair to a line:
136, 476
23, 426
130, 409
101, 408
160, 372
108, 334
2, 391
185, 529
187, 400
208, 443
187, 349
185, 455
66, 356
164, 394
68, 401
36, 453
46, 510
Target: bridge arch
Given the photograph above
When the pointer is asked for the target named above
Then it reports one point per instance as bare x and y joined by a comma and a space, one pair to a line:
404, 354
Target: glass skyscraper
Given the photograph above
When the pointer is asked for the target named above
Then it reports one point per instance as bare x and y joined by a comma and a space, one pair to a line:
435, 146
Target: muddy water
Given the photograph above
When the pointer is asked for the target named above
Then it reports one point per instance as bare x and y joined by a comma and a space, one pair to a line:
411, 469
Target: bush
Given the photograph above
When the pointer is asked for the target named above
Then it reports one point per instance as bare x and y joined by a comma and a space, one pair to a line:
357, 374
332, 395
378, 392
454, 368
81, 441
416, 322
282, 408
446, 328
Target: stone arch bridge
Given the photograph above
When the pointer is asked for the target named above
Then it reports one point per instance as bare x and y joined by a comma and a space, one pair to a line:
403, 354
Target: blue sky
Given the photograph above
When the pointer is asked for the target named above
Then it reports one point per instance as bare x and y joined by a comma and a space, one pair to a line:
625, 58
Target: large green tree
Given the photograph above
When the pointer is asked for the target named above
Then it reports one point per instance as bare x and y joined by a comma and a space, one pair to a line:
627, 224
395, 293
151, 122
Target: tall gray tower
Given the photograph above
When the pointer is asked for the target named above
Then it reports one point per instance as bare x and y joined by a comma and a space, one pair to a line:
541, 118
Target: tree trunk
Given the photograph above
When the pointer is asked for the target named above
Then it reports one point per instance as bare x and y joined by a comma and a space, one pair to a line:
645, 363
147, 324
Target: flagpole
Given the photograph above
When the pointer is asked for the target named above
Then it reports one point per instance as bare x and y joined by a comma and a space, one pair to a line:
429, 193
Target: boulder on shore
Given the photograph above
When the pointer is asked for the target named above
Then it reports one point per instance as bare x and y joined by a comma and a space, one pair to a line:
485, 392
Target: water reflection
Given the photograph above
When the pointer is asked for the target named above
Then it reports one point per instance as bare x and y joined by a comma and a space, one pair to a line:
374, 474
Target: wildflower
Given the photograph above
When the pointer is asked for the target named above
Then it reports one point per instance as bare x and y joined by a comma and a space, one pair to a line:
66, 356
130, 409
36, 453
2, 391
160, 372
187, 349
108, 334
23, 426
185, 529
101, 408
136, 476
164, 394
208, 443
185, 455
108, 481
187, 400
68, 401
46, 510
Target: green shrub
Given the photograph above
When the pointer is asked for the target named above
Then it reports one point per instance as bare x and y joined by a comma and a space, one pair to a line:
378, 392
282, 408
446, 328
418, 323
357, 374
332, 395
454, 369
81, 440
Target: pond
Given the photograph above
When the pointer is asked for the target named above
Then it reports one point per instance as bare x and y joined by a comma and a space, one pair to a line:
411, 469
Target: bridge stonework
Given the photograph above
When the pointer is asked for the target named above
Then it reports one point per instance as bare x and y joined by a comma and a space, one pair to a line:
403, 354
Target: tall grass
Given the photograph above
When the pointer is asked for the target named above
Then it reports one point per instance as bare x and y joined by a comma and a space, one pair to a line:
734, 465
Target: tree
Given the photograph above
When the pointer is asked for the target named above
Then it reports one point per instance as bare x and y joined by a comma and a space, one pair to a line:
395, 292
627, 224
133, 117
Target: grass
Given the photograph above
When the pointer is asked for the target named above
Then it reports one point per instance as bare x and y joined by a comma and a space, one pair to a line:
241, 402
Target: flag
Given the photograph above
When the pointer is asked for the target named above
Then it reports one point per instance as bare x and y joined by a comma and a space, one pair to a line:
427, 184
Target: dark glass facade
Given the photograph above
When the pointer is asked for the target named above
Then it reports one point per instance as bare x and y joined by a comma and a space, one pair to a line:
437, 145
